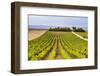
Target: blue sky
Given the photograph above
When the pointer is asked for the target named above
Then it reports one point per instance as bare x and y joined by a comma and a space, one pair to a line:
45, 22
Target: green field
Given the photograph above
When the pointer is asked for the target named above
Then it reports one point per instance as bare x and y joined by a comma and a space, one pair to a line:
57, 45
84, 34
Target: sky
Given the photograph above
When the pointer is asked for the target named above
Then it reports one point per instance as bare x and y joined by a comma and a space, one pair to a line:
45, 22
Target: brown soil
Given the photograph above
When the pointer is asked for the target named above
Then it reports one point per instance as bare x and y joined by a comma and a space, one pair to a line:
32, 34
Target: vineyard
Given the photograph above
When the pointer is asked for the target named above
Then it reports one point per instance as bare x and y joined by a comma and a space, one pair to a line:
57, 45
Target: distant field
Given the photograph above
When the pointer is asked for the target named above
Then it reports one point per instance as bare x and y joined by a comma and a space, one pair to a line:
56, 45
32, 34
84, 34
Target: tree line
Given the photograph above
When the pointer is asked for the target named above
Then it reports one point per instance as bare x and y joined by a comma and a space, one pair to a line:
67, 29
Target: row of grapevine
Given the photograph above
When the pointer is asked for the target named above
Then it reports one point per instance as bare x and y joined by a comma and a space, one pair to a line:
52, 54
49, 44
74, 51
40, 47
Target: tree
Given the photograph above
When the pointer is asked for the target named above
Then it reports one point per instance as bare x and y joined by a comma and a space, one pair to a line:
60, 29
73, 28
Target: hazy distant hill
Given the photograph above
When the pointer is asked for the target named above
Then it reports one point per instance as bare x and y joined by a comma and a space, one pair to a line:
38, 27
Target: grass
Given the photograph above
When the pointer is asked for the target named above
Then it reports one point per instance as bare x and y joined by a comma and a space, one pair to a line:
83, 34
